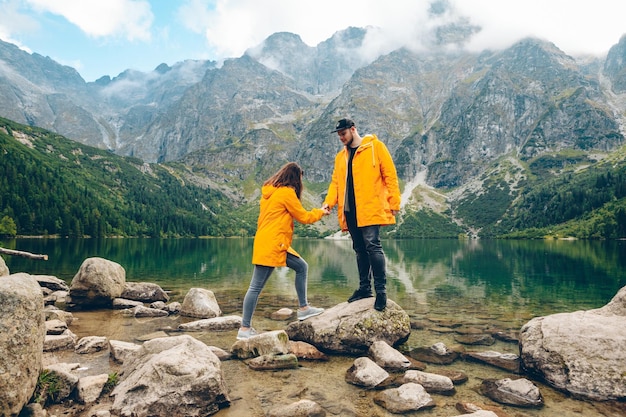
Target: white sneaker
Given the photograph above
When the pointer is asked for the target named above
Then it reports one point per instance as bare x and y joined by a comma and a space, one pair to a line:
246, 334
309, 312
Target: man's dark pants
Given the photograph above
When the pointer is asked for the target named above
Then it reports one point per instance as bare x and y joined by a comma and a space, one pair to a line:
370, 257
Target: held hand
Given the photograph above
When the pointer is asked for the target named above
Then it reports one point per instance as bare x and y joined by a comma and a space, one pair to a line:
326, 210
394, 212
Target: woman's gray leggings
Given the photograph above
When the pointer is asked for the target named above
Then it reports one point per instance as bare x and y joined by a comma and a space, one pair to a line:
259, 278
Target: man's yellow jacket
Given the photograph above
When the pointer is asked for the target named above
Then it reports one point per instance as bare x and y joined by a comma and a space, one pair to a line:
376, 189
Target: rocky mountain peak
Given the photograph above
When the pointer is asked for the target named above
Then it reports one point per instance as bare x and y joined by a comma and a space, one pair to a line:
615, 66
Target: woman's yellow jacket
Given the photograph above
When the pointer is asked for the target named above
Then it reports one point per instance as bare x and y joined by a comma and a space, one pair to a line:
376, 189
279, 206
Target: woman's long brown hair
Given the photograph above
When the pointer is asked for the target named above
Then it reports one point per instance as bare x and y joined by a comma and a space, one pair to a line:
290, 175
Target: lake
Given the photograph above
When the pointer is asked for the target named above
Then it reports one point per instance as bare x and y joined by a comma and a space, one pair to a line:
529, 278
503, 283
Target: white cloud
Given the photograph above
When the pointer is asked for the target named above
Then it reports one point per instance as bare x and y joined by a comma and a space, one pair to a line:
232, 26
575, 27
13, 21
130, 19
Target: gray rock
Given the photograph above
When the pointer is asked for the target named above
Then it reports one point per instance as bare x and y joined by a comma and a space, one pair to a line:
96, 284
214, 324
302, 408
353, 327
55, 327
145, 292
519, 392
364, 372
581, 352
120, 350
60, 296
89, 388
53, 313
387, 357
404, 399
506, 361
143, 311
174, 308
269, 343
22, 333
432, 383
160, 305
51, 282
171, 376
91, 344
438, 354
122, 303
200, 303
65, 340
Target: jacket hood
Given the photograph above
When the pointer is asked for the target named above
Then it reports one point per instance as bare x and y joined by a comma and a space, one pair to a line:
267, 191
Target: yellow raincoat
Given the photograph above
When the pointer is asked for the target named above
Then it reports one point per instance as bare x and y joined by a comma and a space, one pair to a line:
279, 206
376, 189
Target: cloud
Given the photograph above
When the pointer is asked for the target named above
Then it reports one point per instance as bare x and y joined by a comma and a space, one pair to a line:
582, 27
232, 26
13, 21
129, 19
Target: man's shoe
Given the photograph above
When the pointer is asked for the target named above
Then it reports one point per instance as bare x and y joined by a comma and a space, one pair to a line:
309, 312
360, 294
381, 301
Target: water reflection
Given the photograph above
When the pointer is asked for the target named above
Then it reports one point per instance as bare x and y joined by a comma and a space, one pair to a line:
536, 277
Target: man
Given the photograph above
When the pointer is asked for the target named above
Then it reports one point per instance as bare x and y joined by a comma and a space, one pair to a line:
365, 187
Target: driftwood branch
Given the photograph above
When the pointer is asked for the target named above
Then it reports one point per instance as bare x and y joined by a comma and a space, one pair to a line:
24, 254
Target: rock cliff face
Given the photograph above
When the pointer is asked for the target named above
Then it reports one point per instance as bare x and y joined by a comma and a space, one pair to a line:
615, 66
445, 116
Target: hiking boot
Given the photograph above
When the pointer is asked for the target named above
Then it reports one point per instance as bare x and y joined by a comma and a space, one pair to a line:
309, 312
360, 294
381, 301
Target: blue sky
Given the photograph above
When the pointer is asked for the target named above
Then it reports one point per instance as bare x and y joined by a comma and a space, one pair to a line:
106, 37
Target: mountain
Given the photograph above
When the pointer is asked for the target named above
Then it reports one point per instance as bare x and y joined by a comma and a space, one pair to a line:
51, 185
473, 134
107, 113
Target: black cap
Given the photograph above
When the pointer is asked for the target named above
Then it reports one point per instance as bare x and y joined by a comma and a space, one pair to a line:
343, 124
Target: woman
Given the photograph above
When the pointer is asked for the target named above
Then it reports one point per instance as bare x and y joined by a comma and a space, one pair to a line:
280, 204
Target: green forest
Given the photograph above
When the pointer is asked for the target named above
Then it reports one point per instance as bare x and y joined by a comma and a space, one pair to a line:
50, 185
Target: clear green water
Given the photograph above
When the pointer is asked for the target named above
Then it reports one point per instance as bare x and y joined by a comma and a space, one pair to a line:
525, 278
477, 283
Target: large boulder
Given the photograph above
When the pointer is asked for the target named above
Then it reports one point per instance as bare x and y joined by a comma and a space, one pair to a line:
583, 353
96, 284
353, 327
171, 376
22, 332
